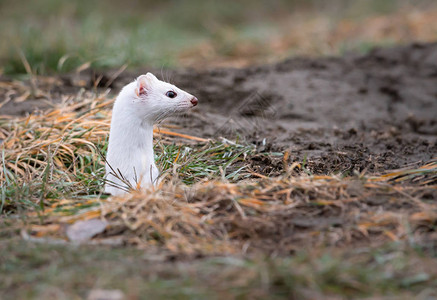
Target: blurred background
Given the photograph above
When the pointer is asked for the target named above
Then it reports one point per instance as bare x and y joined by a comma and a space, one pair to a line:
61, 36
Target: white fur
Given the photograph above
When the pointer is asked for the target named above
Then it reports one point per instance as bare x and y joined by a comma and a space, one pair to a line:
139, 105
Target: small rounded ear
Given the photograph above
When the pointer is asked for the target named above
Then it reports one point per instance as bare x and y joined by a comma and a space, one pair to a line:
152, 77
144, 83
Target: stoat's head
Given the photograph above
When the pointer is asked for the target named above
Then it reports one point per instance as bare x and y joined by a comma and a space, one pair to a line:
155, 99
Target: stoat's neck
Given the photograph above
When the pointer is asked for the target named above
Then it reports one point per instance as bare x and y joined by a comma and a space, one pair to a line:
130, 134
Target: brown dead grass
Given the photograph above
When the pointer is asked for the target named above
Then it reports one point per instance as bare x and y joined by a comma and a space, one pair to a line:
277, 215
268, 215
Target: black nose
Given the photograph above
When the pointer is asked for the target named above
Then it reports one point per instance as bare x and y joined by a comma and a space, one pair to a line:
194, 101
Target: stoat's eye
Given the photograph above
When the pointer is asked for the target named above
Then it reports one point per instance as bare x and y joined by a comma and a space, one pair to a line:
171, 94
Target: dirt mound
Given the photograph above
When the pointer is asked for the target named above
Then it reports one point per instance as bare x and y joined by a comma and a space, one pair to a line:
376, 112
372, 112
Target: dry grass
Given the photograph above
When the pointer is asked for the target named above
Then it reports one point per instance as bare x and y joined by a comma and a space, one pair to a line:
371, 234
57, 146
50, 168
57, 152
277, 215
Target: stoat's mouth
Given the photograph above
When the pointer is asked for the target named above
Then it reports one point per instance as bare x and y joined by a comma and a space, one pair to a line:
178, 110
186, 105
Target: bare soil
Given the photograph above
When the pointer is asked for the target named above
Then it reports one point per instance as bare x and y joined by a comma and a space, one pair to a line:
374, 112
370, 112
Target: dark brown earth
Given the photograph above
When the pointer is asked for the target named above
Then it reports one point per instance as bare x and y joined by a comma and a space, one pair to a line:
377, 111
370, 112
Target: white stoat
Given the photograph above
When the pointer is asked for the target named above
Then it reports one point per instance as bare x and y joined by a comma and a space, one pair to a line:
139, 105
